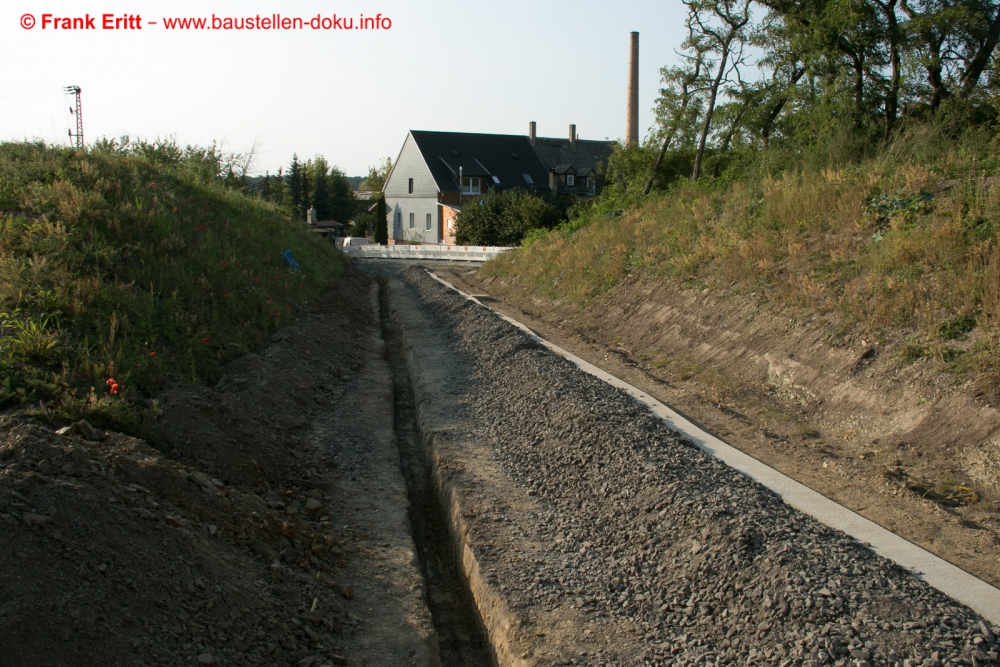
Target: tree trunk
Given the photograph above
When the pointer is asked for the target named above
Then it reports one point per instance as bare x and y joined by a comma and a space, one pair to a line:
970, 78
711, 107
892, 95
772, 115
729, 138
685, 99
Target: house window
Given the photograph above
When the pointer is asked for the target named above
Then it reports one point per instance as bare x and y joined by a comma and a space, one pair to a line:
411, 221
428, 222
570, 180
590, 184
470, 185
411, 188
528, 179
399, 219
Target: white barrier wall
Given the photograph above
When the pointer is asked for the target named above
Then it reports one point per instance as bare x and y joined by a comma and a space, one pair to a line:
457, 253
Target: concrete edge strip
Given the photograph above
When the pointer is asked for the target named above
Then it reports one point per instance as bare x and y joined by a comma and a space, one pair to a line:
939, 573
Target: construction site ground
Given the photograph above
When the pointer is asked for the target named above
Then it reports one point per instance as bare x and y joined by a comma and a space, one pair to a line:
401, 478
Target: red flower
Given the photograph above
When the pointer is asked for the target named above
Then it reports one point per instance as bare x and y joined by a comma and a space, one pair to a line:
205, 339
226, 295
152, 354
225, 263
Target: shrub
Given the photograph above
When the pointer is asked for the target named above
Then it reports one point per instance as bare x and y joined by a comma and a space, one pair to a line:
503, 218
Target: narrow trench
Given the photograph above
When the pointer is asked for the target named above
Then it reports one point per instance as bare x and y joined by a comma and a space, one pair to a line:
461, 637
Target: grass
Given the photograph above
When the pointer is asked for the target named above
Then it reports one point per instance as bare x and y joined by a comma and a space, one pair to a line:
902, 245
129, 267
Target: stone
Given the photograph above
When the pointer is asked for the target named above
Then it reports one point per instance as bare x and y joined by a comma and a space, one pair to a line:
206, 659
86, 431
202, 480
312, 617
313, 506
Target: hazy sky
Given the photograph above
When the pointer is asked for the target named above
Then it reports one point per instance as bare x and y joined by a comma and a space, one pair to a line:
348, 95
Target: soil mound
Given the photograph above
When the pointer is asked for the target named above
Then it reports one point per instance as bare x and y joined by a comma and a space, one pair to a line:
221, 551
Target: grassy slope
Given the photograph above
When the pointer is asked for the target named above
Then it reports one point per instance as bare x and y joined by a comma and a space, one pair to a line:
128, 264
888, 248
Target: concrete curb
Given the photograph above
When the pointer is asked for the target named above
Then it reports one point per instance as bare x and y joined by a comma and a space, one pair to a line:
942, 575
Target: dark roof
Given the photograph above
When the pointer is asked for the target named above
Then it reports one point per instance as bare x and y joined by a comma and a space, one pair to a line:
558, 154
483, 155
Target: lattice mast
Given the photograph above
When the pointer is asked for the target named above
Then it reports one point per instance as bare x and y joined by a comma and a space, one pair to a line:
78, 112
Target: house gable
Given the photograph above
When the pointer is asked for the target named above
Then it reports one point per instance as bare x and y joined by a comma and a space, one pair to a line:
410, 165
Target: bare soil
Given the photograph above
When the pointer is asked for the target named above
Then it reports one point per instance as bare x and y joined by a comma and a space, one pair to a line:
267, 527
902, 443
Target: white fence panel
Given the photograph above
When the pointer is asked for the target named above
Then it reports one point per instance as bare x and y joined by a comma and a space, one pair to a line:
457, 253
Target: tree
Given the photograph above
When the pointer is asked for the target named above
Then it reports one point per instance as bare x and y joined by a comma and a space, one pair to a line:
381, 226
295, 187
342, 200
321, 199
377, 176
675, 103
716, 26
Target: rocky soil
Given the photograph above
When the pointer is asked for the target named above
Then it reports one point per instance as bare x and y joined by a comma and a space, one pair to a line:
274, 521
267, 527
609, 540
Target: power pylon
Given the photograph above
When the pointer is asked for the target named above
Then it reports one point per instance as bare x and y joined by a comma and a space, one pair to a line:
78, 112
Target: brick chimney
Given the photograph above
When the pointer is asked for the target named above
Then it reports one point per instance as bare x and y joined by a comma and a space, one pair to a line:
572, 135
632, 122
554, 182
531, 132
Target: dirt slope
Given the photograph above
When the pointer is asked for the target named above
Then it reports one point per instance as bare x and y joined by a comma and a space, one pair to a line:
899, 442
273, 532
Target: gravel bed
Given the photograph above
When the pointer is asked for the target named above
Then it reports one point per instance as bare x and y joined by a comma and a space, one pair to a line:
647, 533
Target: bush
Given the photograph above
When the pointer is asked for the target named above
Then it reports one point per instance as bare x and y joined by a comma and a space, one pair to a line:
503, 219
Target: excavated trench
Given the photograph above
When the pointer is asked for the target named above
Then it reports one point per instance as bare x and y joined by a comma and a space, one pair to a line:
461, 635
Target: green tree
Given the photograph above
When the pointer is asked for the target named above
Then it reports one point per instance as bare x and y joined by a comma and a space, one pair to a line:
295, 188
377, 176
381, 222
321, 196
503, 218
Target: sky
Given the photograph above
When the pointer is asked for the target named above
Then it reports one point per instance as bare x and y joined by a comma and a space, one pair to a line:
350, 96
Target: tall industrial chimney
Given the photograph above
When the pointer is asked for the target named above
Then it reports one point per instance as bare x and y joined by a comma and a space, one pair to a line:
531, 132
632, 123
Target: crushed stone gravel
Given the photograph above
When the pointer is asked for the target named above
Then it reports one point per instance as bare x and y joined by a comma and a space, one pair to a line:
644, 531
